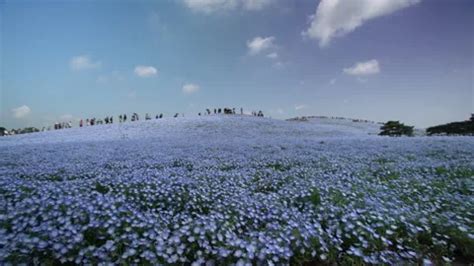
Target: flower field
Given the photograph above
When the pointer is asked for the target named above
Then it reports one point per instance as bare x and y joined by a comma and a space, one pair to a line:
234, 190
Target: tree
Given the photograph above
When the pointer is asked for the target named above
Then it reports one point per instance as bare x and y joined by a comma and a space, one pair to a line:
454, 128
395, 128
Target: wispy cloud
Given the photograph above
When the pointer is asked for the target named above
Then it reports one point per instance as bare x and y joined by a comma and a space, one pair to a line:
214, 6
190, 88
300, 107
279, 65
334, 18
370, 67
145, 71
273, 55
21, 111
83, 62
260, 44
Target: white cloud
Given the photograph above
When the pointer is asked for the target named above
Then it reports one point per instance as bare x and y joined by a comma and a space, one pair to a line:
21, 111
190, 88
332, 81
272, 55
83, 62
334, 18
145, 71
259, 44
370, 67
300, 107
212, 6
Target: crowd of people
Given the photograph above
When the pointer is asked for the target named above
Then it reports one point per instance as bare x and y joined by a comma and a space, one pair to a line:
123, 118
62, 125
135, 117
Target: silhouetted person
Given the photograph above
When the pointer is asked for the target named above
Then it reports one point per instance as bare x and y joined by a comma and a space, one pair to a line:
241, 111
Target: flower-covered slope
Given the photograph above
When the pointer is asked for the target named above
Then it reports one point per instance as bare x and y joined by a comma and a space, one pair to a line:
234, 190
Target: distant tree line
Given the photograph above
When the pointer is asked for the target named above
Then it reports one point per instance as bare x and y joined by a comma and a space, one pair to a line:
5, 132
454, 128
395, 128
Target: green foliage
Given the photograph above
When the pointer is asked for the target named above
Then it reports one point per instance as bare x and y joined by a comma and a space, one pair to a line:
277, 166
95, 236
315, 197
395, 128
454, 128
101, 188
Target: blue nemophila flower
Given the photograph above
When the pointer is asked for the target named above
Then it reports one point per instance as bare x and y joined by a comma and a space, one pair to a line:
179, 197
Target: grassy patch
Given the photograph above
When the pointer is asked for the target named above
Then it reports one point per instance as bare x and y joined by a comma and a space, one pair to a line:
101, 188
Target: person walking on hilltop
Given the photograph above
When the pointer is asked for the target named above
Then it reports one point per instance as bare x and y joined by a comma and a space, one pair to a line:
80, 123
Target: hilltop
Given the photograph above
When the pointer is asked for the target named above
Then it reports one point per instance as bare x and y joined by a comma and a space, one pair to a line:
214, 127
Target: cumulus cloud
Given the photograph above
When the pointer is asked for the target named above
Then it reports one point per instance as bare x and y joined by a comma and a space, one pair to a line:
190, 88
145, 71
212, 6
83, 62
335, 18
370, 67
260, 44
21, 111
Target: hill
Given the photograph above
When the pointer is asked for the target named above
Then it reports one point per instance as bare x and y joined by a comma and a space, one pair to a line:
238, 190
219, 127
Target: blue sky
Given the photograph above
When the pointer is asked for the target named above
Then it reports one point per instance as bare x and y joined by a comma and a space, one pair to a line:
408, 60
